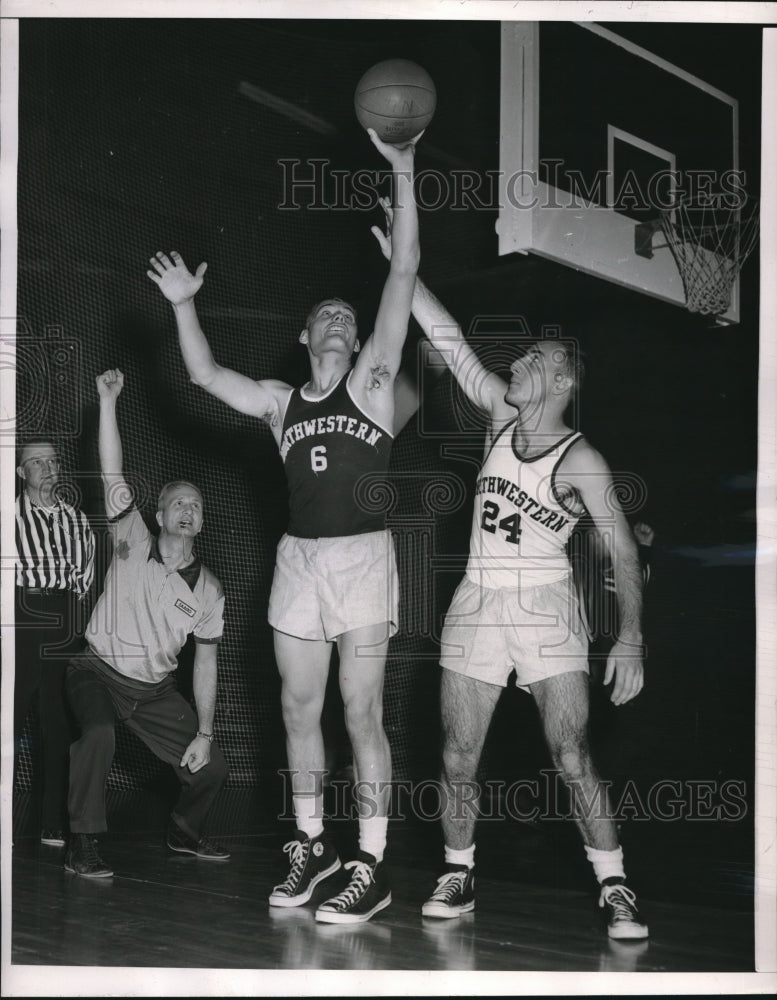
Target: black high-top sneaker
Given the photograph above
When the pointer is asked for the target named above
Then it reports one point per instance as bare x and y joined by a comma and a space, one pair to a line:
312, 860
454, 895
365, 895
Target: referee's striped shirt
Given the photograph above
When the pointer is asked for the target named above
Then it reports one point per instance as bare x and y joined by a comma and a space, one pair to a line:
54, 547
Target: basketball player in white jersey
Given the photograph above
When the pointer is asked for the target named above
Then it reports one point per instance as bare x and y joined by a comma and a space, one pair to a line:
335, 572
516, 608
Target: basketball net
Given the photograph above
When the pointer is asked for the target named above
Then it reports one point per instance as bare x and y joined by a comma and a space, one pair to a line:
710, 243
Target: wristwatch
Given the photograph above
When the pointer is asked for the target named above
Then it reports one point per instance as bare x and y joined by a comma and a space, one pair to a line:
206, 736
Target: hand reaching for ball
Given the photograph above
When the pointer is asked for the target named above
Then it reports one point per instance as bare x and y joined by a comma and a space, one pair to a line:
175, 280
400, 155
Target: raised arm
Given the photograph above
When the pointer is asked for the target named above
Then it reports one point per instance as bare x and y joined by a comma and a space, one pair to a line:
408, 385
115, 489
486, 389
585, 469
179, 286
383, 350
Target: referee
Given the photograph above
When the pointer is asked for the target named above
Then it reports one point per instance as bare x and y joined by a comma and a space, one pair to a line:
54, 569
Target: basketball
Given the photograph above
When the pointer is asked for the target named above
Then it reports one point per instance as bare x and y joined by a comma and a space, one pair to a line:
397, 98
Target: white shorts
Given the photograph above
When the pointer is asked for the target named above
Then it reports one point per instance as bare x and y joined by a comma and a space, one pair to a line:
323, 587
535, 631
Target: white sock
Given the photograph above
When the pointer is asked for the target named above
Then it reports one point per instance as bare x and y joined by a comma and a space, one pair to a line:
309, 813
372, 835
465, 857
607, 864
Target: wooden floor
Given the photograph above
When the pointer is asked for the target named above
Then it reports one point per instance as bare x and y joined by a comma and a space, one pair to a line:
535, 907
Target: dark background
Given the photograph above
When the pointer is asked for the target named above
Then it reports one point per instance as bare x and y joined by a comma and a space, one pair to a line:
133, 138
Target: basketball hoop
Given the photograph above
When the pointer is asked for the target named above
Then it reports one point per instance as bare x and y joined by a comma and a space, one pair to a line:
709, 243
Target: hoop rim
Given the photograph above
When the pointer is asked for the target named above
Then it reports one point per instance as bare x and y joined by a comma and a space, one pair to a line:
715, 203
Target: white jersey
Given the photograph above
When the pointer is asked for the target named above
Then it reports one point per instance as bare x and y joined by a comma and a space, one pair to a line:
522, 518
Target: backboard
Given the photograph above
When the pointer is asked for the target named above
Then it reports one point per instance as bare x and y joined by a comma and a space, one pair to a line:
597, 136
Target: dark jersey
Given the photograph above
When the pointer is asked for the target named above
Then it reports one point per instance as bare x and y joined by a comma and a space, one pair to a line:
328, 446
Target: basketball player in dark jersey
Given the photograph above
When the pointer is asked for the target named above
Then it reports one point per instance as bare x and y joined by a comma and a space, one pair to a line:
516, 608
335, 574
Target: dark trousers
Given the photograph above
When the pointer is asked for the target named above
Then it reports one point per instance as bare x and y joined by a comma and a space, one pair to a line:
165, 722
47, 626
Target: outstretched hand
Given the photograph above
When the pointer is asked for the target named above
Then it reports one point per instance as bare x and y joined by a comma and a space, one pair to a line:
400, 155
384, 239
175, 280
110, 384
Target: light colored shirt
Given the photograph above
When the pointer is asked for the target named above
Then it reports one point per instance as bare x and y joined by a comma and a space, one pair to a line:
146, 613
521, 523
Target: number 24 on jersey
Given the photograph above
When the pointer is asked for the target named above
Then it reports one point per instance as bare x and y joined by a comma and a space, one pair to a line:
510, 525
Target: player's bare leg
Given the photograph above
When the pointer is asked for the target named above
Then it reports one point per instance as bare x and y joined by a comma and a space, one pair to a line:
467, 706
362, 667
563, 705
562, 701
304, 665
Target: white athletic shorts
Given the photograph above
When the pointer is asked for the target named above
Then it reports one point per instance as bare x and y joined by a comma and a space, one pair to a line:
323, 587
536, 631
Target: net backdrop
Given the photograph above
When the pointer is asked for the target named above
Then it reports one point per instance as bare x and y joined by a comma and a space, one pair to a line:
135, 139
135, 136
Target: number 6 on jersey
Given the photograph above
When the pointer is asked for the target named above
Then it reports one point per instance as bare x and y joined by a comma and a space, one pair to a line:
318, 458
